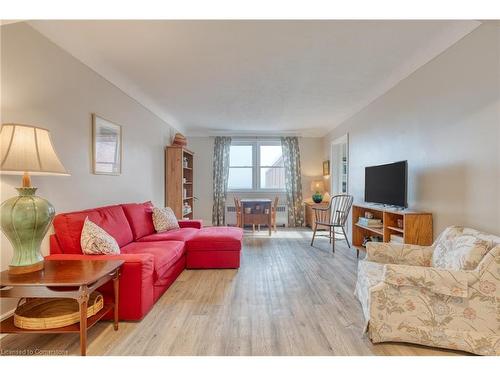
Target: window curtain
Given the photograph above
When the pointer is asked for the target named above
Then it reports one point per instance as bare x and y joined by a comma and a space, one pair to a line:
293, 181
222, 146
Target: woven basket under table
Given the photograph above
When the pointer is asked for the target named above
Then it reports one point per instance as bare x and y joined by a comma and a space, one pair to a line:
48, 313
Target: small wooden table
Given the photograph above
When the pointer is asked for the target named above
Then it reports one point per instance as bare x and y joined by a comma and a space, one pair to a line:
310, 219
257, 214
75, 279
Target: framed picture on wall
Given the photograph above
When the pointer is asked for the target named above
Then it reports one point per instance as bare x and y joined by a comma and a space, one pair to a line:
106, 146
326, 168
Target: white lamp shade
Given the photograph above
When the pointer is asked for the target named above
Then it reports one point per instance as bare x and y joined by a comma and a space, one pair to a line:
317, 186
25, 148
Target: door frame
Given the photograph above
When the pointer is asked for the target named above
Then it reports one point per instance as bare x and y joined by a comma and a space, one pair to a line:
344, 139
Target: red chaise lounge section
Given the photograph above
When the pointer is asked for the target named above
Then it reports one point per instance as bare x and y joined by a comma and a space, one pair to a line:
214, 247
152, 260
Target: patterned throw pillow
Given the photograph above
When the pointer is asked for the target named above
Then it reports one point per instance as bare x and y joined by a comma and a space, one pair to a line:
164, 219
464, 252
95, 240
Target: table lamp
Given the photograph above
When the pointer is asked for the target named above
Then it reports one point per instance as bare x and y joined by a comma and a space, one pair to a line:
317, 187
25, 219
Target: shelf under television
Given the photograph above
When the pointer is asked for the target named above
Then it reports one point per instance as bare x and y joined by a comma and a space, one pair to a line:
379, 230
396, 229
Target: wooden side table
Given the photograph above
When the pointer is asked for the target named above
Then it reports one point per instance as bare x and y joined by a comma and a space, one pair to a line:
75, 279
309, 205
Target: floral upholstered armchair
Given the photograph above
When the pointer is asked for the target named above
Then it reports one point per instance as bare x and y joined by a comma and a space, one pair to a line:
445, 295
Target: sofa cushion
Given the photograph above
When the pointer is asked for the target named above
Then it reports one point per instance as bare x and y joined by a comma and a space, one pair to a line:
216, 238
181, 234
164, 219
96, 241
463, 252
140, 218
68, 227
165, 253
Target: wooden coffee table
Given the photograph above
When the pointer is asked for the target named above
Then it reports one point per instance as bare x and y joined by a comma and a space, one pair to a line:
75, 279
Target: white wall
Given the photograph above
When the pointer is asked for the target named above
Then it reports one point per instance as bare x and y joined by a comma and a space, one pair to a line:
203, 147
45, 86
311, 163
445, 120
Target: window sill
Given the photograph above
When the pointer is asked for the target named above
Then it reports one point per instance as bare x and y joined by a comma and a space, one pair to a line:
262, 191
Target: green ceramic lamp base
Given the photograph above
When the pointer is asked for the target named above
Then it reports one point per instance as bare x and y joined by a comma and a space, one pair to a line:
317, 197
25, 220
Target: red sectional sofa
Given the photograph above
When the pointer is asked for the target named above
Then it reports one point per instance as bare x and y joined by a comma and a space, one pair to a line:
152, 260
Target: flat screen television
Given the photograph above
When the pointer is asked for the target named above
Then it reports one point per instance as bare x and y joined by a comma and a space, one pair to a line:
386, 184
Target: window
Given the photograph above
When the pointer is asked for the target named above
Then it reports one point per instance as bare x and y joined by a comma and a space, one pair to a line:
256, 165
272, 173
241, 167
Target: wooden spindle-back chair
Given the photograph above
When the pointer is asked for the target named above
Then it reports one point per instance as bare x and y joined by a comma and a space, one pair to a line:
237, 205
333, 216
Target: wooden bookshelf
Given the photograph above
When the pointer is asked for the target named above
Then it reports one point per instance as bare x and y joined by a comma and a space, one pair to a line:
416, 229
176, 190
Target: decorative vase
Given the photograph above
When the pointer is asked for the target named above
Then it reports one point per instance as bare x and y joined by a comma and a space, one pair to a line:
179, 140
317, 197
25, 220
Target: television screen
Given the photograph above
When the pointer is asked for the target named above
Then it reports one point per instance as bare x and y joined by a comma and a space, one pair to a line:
386, 184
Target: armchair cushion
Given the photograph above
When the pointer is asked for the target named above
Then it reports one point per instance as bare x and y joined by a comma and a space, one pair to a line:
446, 282
455, 231
463, 252
415, 255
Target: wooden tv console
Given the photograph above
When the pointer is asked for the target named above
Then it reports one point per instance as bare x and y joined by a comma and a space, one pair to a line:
416, 230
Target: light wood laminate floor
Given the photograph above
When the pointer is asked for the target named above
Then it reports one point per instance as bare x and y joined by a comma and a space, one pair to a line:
286, 299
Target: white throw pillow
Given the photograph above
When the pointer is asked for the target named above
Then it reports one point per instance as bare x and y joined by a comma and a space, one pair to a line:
95, 240
164, 219
464, 252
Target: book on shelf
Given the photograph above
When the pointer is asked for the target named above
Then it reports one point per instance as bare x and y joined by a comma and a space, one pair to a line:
373, 223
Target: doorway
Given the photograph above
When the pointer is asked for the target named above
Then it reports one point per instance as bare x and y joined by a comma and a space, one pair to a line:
339, 174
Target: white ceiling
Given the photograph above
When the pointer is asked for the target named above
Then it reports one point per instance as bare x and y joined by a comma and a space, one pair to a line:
254, 77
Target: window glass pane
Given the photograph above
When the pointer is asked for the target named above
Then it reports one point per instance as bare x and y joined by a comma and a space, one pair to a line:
271, 156
240, 178
272, 178
240, 156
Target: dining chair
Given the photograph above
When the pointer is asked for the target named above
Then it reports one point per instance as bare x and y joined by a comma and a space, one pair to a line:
333, 216
237, 205
274, 209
